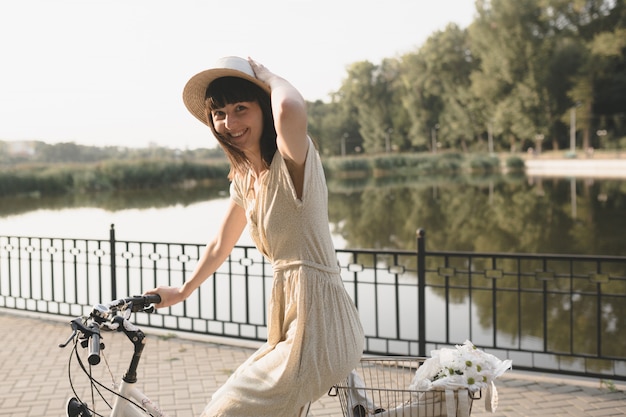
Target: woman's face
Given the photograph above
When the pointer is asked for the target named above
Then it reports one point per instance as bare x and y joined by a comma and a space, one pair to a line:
240, 123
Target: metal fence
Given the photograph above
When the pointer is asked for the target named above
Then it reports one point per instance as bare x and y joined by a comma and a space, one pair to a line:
550, 313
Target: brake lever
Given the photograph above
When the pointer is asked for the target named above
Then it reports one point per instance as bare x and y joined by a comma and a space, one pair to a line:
67, 342
79, 326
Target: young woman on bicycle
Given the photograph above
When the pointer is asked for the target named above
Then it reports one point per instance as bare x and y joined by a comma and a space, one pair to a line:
278, 190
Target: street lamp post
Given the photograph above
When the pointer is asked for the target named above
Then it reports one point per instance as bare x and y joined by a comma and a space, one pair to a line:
388, 140
538, 140
601, 134
433, 138
572, 130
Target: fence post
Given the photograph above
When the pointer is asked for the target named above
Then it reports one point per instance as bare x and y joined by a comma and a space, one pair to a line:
421, 291
113, 266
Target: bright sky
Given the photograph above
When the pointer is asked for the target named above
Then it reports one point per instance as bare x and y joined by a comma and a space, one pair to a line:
111, 72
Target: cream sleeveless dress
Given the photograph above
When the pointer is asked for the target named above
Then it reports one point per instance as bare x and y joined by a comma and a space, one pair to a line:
315, 336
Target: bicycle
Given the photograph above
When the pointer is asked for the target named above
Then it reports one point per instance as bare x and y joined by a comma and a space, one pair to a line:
128, 401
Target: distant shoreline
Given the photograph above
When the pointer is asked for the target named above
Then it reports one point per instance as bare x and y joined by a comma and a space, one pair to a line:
578, 168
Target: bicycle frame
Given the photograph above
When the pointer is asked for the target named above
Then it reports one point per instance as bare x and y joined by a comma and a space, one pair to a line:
123, 408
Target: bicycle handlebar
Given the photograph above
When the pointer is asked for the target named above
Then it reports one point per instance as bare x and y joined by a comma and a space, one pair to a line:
136, 303
101, 314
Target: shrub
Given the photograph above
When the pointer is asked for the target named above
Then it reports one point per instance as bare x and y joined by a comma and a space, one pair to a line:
339, 164
515, 163
483, 163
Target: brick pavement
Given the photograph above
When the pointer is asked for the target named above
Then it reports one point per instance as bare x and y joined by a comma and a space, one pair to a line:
182, 373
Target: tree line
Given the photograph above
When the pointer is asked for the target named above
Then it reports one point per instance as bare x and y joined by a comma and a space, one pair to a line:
524, 74
39, 152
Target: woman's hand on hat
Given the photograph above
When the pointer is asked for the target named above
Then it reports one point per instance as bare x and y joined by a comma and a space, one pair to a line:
262, 73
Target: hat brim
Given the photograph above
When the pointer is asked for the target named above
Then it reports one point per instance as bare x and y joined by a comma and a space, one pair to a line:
195, 89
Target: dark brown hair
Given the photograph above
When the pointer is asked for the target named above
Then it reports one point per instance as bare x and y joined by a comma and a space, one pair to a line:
229, 90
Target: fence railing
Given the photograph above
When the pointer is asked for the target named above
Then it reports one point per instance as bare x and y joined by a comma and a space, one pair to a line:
550, 313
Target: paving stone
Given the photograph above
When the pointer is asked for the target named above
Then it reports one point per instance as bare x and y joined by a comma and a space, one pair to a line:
180, 374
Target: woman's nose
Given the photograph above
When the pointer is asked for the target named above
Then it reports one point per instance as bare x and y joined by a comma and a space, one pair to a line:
229, 121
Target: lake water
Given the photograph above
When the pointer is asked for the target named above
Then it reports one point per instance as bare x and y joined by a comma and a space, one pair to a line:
194, 223
481, 214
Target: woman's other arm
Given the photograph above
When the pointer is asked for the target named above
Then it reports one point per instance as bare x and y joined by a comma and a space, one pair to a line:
215, 253
290, 120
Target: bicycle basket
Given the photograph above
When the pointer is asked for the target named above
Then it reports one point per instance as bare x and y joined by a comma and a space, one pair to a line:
379, 387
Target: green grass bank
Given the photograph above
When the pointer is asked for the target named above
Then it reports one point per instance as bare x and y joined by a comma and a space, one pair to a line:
57, 179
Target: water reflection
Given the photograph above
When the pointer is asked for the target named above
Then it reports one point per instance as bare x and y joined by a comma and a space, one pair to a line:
491, 214
114, 201
480, 214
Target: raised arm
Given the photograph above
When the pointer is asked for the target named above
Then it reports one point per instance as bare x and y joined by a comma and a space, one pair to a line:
213, 256
290, 117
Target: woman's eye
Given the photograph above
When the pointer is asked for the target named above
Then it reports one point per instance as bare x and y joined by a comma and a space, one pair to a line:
218, 115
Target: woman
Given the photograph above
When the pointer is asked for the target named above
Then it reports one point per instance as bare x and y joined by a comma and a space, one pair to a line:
278, 189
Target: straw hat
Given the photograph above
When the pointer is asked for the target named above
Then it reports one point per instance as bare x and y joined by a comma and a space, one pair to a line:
230, 66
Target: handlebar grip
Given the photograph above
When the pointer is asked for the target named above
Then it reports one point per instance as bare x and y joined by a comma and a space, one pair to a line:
94, 349
143, 302
153, 298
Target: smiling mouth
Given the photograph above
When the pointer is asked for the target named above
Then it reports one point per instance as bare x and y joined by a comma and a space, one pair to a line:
236, 135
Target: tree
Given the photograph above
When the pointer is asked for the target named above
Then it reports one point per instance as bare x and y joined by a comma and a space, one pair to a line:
369, 95
515, 47
451, 58
421, 99
325, 126
593, 26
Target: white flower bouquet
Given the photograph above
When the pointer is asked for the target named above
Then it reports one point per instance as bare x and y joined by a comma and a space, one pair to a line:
464, 367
